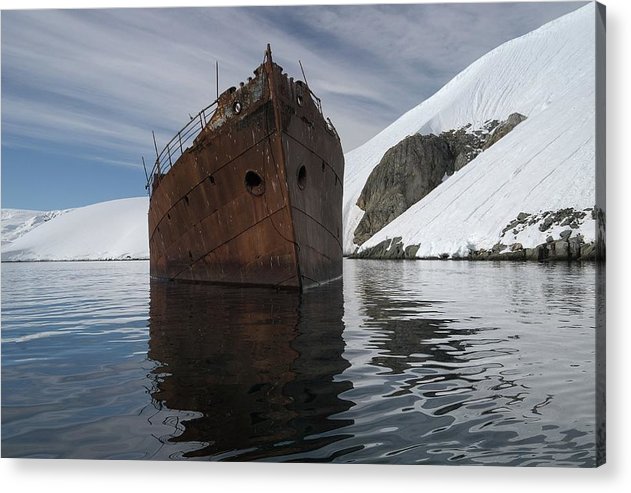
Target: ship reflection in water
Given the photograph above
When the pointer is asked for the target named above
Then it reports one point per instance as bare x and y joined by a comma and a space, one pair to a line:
258, 367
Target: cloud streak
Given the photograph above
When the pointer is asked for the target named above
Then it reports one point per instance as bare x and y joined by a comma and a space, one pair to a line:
96, 82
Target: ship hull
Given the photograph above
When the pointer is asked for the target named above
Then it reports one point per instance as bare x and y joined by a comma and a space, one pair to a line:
257, 200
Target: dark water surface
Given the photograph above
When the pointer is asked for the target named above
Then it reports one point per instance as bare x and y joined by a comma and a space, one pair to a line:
402, 362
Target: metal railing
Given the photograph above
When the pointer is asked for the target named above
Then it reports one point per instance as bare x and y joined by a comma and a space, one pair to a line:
177, 145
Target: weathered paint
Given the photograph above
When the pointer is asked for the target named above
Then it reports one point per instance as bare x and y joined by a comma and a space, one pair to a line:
206, 224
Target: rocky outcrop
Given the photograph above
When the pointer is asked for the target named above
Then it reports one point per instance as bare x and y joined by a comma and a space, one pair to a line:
415, 166
544, 221
564, 248
407, 172
503, 129
599, 216
565, 244
389, 249
563, 241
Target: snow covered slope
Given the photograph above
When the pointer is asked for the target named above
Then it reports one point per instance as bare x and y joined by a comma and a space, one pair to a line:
108, 230
545, 163
18, 222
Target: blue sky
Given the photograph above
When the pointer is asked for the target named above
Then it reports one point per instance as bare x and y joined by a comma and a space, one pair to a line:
83, 89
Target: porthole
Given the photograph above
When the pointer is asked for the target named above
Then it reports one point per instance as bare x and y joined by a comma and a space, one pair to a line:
237, 107
254, 183
302, 177
211, 178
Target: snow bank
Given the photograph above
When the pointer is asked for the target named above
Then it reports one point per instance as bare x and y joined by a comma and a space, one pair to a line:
545, 163
109, 230
18, 222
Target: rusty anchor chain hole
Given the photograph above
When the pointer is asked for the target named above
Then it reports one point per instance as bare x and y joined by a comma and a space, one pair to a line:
254, 183
302, 177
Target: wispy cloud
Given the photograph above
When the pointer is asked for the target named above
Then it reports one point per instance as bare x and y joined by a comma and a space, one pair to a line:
103, 79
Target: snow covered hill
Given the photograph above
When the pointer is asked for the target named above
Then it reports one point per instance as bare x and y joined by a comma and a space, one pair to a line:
18, 222
547, 163
109, 230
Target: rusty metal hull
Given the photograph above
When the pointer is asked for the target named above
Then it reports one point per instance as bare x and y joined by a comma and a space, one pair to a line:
257, 198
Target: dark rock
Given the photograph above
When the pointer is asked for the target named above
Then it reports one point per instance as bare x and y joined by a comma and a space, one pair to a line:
410, 251
396, 250
561, 250
498, 247
575, 247
519, 254
566, 234
481, 254
504, 128
411, 169
509, 226
549, 239
547, 222
574, 225
407, 172
536, 253
588, 251
532, 254
461, 161
522, 216
377, 251
516, 246
388, 249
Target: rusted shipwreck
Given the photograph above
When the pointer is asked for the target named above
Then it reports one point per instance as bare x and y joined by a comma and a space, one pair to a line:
250, 190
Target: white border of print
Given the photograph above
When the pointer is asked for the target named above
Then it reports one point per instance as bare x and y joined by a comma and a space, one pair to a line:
112, 476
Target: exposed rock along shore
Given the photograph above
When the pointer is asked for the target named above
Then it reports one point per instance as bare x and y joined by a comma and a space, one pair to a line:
567, 245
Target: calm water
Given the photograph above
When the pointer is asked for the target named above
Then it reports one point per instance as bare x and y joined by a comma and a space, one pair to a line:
402, 362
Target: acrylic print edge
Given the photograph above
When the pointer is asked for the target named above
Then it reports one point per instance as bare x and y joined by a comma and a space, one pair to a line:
600, 156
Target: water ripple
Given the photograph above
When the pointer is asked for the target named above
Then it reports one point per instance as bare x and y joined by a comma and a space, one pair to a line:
403, 362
